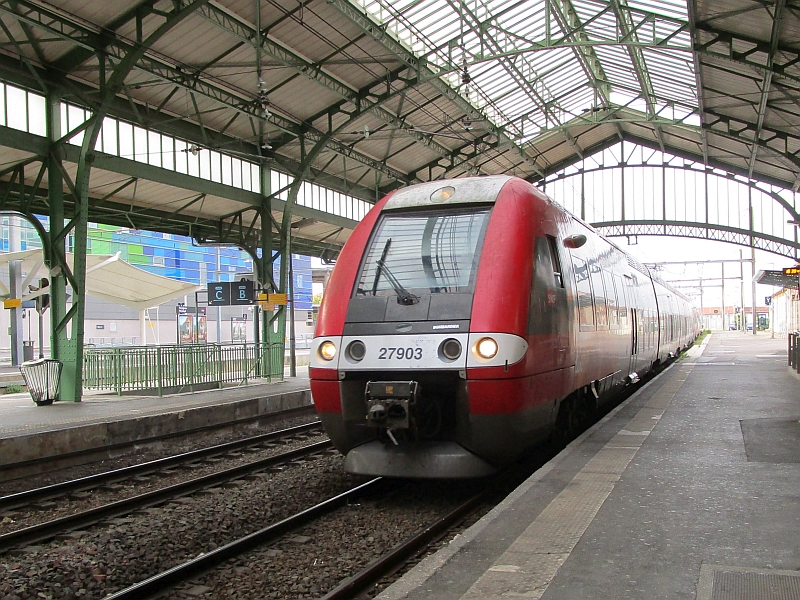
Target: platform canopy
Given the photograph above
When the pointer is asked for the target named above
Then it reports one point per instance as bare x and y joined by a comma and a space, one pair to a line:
392, 92
108, 278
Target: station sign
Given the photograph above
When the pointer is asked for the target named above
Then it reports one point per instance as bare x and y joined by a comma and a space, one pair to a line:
792, 271
219, 293
242, 292
231, 293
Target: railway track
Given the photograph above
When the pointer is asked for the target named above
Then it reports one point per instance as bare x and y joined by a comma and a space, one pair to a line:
11, 471
158, 583
73, 486
54, 527
351, 587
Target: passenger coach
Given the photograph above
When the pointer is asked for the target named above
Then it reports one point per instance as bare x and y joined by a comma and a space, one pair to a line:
467, 320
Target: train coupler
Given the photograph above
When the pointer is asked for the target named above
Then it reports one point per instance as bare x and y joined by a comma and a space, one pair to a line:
390, 402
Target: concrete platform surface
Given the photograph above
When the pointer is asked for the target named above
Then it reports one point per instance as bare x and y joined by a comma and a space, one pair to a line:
689, 489
29, 432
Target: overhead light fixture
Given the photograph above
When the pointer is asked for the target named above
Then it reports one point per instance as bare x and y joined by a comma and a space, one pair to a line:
263, 102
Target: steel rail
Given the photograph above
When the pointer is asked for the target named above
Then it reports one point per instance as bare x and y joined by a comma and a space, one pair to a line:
28, 497
209, 560
267, 418
389, 562
52, 528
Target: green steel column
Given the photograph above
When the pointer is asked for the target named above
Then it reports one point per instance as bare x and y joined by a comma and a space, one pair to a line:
73, 353
59, 344
73, 358
274, 325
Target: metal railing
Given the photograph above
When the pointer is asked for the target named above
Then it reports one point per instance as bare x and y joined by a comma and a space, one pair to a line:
107, 342
167, 368
794, 351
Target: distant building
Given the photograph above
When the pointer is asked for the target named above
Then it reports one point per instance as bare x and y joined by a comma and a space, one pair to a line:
171, 256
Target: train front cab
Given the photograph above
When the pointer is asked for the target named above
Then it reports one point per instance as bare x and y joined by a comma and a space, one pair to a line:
427, 316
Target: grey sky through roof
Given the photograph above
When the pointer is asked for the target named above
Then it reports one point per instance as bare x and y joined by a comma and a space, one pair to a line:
531, 67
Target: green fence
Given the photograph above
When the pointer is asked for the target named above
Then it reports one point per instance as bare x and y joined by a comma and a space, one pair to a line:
160, 368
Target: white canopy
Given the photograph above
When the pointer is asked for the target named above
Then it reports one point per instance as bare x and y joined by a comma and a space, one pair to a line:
107, 278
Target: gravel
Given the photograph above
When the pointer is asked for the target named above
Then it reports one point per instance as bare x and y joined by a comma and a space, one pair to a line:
152, 451
114, 555
22, 517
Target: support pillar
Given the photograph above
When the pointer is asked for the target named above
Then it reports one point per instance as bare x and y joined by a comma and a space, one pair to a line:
273, 324
15, 287
57, 260
143, 327
753, 282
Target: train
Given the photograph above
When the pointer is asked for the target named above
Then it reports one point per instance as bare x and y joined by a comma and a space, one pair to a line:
468, 320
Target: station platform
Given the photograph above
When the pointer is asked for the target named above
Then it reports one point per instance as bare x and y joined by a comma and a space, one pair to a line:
689, 489
102, 421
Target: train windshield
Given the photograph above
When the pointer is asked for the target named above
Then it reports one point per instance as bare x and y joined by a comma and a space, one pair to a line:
427, 252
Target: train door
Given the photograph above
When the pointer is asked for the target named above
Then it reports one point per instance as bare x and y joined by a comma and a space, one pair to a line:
548, 316
635, 318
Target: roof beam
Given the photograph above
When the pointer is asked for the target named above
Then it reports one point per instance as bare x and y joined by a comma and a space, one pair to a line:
692, 7
38, 145
640, 67
729, 130
72, 30
766, 83
424, 72
569, 20
739, 49
146, 116
490, 40
286, 57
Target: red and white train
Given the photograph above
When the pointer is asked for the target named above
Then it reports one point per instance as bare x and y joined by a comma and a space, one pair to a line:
467, 320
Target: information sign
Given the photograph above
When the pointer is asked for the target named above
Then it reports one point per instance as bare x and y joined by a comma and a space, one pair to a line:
792, 271
242, 292
231, 293
279, 299
219, 293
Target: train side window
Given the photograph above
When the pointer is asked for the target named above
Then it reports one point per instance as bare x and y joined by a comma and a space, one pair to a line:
600, 310
584, 289
545, 292
611, 300
555, 260
622, 302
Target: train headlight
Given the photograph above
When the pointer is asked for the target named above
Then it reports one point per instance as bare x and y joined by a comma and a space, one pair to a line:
450, 349
356, 350
486, 348
327, 350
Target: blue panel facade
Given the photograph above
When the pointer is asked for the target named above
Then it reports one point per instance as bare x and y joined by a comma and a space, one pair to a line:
171, 255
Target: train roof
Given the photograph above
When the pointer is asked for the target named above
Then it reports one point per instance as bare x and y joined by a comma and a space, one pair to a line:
466, 190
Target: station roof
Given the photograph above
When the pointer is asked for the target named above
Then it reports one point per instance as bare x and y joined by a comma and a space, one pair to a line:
399, 91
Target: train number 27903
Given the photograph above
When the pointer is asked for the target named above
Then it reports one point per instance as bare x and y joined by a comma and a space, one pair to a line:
400, 353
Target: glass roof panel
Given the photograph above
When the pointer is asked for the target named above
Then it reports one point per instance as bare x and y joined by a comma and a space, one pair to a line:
534, 65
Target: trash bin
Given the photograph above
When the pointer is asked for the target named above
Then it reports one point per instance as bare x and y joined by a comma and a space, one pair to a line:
27, 351
42, 377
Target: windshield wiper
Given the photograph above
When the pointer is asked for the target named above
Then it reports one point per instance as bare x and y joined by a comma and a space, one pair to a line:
403, 295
